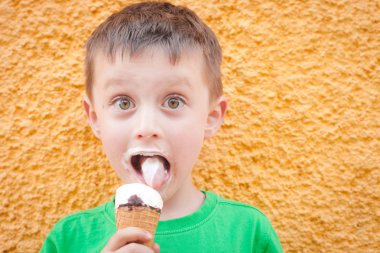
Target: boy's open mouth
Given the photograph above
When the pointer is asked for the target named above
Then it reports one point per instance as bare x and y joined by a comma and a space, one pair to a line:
138, 160
152, 168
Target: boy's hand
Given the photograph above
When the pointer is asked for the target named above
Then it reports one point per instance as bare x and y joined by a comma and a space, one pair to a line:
130, 240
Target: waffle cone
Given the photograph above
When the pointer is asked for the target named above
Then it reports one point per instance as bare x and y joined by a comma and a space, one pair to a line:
138, 216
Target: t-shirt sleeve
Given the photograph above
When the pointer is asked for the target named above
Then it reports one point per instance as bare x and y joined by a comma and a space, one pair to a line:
273, 243
50, 245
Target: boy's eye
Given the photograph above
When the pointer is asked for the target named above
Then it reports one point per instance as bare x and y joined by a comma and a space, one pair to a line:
123, 103
174, 102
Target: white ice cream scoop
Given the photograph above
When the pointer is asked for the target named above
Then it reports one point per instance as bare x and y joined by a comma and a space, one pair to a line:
148, 195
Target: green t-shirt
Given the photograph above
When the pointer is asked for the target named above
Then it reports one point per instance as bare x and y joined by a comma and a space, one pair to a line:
220, 225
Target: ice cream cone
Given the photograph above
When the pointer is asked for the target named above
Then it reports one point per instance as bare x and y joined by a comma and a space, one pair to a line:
138, 205
138, 216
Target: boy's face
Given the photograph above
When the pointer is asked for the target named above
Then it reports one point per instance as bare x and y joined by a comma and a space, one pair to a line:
145, 106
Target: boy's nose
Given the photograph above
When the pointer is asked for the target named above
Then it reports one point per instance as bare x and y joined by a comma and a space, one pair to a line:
147, 125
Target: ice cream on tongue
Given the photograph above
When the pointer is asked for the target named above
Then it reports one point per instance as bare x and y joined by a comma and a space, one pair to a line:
153, 171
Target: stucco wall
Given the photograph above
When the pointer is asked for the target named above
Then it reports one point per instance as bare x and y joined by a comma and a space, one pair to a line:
301, 140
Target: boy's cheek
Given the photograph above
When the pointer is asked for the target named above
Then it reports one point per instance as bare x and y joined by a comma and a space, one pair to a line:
114, 147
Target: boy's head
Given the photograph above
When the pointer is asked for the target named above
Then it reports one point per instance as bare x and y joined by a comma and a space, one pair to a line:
154, 93
143, 26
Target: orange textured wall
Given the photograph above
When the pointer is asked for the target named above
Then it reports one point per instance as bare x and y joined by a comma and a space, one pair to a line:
301, 140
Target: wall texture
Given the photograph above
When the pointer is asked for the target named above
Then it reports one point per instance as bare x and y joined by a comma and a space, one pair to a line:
301, 140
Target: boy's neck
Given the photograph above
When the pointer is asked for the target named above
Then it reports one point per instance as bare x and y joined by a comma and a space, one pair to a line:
184, 202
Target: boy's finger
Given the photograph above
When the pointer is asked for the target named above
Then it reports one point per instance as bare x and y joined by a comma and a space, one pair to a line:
135, 248
127, 235
156, 248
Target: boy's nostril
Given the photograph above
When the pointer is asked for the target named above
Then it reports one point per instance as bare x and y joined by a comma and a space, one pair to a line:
147, 135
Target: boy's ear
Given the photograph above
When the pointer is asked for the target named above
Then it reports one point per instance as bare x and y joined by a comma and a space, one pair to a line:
215, 117
91, 116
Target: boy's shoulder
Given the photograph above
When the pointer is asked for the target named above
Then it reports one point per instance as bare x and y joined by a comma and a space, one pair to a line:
237, 204
238, 215
77, 232
238, 207
248, 221
89, 217
99, 212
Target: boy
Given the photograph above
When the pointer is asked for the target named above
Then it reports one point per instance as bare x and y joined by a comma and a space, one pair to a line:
153, 89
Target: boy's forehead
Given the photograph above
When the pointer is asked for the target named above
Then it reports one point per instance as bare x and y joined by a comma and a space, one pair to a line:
123, 54
113, 68
121, 79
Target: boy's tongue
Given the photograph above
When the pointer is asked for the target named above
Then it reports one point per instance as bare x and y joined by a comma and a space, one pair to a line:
153, 171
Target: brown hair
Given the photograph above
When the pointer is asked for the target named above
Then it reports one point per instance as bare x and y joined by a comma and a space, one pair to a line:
143, 25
